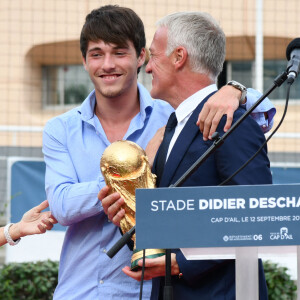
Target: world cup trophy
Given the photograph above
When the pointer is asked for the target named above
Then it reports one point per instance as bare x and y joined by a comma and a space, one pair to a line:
125, 167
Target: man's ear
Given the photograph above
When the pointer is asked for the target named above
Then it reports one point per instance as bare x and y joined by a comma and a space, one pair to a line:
84, 63
180, 57
142, 57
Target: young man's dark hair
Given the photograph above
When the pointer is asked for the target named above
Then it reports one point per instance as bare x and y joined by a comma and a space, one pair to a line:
113, 24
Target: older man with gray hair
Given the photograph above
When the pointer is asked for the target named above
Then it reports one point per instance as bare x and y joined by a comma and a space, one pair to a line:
187, 54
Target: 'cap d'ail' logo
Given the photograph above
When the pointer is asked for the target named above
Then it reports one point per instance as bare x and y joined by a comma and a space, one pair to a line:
283, 234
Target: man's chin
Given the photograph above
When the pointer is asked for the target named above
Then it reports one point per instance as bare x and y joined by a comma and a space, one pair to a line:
154, 94
111, 93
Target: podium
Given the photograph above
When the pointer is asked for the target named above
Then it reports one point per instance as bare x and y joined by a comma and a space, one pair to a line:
224, 222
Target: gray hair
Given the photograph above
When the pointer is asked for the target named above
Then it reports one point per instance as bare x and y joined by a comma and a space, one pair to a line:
202, 37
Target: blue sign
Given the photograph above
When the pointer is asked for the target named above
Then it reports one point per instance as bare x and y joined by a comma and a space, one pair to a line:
27, 188
223, 216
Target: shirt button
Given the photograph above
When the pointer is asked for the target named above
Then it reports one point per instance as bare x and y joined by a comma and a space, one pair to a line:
104, 250
101, 281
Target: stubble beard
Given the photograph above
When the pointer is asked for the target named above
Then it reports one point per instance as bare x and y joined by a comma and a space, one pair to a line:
111, 94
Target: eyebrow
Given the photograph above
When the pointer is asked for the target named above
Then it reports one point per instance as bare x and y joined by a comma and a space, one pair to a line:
114, 48
94, 49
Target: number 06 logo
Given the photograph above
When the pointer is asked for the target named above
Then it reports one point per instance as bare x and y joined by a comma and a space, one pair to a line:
257, 237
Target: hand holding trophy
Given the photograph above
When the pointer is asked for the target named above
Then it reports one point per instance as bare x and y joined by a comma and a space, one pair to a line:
125, 168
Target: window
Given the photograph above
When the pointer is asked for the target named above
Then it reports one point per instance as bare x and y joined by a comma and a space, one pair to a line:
243, 71
65, 85
273, 68
69, 85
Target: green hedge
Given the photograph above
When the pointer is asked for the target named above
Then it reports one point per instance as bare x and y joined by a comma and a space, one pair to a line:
279, 282
30, 281
37, 281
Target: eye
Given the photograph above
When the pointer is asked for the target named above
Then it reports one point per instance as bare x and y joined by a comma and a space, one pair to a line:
95, 54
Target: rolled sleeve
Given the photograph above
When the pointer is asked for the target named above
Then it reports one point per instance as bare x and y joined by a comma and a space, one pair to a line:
264, 113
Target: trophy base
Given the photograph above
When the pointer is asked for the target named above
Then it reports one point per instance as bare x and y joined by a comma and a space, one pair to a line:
138, 255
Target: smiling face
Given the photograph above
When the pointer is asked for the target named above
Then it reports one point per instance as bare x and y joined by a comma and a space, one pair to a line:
112, 69
161, 66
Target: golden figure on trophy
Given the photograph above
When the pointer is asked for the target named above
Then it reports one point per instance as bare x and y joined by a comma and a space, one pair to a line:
125, 167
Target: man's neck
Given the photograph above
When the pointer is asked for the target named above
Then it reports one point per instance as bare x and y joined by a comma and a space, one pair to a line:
187, 86
118, 108
115, 114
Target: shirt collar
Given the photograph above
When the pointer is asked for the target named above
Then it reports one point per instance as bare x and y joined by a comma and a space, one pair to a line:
146, 101
86, 109
189, 104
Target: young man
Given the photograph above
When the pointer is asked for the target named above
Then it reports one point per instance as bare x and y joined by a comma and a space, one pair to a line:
185, 64
112, 43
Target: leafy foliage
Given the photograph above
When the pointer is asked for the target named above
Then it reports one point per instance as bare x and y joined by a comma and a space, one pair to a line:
280, 285
30, 281
37, 281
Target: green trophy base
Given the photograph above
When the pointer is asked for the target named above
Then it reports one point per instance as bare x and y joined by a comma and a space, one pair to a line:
138, 255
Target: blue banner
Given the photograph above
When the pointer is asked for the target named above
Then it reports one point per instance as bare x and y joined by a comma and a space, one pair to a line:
27, 188
223, 216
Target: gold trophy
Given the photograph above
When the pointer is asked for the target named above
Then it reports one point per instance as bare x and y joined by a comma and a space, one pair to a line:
125, 167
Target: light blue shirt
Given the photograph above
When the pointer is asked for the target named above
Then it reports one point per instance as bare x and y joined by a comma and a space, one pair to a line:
73, 144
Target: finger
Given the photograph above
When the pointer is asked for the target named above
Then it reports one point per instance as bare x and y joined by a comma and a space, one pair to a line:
115, 208
41, 228
103, 192
202, 116
118, 217
228, 121
110, 200
52, 219
152, 262
135, 275
42, 206
153, 267
207, 125
47, 223
214, 124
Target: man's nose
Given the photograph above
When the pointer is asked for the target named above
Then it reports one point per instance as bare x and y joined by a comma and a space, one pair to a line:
108, 63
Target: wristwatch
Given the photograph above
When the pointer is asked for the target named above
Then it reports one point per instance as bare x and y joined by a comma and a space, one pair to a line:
240, 87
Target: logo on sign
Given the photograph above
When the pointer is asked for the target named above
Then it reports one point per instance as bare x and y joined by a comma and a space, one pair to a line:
283, 234
250, 237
